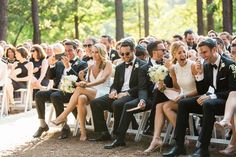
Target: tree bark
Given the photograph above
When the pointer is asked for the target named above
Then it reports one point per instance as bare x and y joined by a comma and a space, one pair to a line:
146, 18
35, 20
210, 20
200, 24
76, 18
119, 20
227, 15
3, 19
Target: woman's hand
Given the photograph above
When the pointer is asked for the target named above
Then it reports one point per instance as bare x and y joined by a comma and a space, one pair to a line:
82, 84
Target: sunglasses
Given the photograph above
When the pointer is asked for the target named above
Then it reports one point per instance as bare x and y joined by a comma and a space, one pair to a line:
127, 54
87, 45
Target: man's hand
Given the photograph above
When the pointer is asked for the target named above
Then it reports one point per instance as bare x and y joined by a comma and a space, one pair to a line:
113, 94
122, 94
65, 61
52, 60
203, 98
199, 66
142, 104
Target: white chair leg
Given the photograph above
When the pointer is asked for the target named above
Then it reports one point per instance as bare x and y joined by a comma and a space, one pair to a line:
141, 127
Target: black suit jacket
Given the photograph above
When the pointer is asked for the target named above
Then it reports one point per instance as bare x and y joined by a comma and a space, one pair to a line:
226, 81
120, 76
56, 72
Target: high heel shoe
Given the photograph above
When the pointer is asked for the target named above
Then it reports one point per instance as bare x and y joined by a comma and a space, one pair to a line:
54, 122
223, 124
230, 150
155, 145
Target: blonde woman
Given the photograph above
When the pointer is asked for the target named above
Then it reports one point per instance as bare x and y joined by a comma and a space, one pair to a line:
182, 74
96, 85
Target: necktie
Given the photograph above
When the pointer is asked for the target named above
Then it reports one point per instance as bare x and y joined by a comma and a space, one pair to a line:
213, 66
128, 64
159, 62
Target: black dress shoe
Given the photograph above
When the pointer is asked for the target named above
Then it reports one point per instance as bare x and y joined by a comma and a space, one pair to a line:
65, 133
200, 153
175, 151
114, 144
40, 130
105, 136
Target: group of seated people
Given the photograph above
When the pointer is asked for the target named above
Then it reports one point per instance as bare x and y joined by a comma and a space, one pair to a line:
202, 71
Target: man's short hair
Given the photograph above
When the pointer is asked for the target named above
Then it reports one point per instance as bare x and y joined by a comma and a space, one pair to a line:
188, 31
152, 46
128, 43
71, 43
211, 43
140, 50
178, 36
108, 37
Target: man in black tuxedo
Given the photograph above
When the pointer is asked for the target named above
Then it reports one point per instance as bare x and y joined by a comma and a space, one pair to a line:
69, 64
123, 89
112, 53
214, 82
156, 50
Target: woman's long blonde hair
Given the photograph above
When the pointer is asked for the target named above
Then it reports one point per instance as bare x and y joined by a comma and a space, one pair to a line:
103, 54
174, 48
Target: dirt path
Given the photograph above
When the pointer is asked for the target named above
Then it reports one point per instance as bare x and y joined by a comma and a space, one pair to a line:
16, 141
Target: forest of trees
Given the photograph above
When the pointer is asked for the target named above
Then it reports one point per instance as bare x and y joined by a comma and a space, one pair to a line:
49, 21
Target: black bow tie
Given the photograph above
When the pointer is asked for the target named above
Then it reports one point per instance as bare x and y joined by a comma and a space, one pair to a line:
128, 64
72, 61
213, 66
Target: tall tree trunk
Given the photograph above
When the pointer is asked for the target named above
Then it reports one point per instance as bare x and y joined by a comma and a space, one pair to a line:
35, 20
146, 18
139, 20
210, 20
3, 19
119, 19
76, 18
200, 24
227, 15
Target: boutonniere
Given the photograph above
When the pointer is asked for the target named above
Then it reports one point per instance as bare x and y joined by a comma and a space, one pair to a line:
136, 65
113, 55
222, 65
233, 68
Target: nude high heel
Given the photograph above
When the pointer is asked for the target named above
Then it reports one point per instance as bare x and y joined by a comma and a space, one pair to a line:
155, 145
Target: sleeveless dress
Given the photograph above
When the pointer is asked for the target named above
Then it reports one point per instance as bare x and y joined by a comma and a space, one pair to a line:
185, 79
24, 73
38, 73
102, 89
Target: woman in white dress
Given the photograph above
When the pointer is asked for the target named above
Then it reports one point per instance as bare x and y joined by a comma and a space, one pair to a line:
96, 85
182, 74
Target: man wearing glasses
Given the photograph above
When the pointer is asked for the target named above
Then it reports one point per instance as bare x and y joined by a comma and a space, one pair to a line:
123, 89
87, 45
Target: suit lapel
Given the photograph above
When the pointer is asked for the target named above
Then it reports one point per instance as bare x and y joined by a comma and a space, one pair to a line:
122, 74
134, 70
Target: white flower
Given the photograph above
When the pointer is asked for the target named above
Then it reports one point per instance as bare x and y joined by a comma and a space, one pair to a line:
233, 68
136, 65
157, 73
67, 83
222, 65
113, 55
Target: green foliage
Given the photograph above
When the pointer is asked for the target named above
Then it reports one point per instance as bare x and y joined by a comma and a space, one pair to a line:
97, 17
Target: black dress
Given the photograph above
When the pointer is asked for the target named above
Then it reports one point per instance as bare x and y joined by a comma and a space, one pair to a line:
24, 73
38, 73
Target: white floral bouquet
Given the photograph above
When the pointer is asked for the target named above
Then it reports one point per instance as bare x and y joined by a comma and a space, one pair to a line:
233, 68
67, 83
157, 73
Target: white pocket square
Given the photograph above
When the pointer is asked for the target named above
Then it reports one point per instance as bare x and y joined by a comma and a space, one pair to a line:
222, 78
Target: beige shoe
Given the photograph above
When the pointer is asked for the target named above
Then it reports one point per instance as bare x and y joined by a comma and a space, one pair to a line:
230, 150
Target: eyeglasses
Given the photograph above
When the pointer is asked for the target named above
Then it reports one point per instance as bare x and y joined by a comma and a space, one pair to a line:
87, 45
161, 50
32, 50
127, 54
